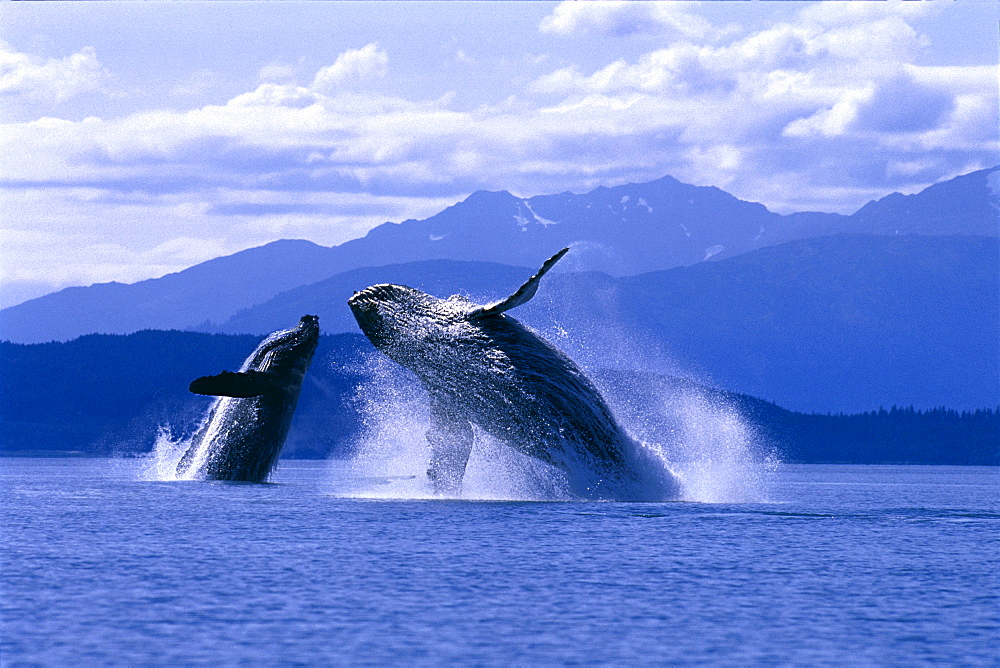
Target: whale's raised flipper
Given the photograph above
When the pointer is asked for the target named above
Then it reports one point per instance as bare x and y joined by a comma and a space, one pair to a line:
450, 438
242, 385
522, 294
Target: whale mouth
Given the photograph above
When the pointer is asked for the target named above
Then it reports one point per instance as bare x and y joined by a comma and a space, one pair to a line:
370, 306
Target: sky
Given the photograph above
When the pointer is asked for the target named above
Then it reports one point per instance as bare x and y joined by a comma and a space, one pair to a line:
140, 138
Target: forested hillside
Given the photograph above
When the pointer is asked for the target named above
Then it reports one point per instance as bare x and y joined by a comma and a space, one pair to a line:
109, 395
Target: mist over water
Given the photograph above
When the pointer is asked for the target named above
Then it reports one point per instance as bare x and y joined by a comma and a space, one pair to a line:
716, 451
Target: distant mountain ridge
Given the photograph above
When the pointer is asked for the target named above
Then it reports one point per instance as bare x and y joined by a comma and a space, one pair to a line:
484, 281
842, 323
197, 295
624, 230
956, 206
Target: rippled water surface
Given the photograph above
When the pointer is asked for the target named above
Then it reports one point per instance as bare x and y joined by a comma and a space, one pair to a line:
844, 564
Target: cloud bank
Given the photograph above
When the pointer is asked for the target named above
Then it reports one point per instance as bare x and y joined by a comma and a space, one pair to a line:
822, 112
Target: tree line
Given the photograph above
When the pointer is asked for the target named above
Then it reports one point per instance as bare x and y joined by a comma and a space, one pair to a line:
111, 394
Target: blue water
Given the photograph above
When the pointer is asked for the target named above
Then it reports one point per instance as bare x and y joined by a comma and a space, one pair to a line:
843, 564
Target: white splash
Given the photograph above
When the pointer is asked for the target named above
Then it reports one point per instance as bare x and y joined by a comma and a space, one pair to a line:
684, 429
393, 456
713, 450
161, 463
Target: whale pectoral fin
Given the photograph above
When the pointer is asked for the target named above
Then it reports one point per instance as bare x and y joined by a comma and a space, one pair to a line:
450, 438
241, 385
523, 294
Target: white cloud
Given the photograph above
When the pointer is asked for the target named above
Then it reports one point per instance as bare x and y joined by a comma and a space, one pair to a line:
835, 86
195, 85
355, 64
712, 114
276, 73
276, 95
833, 121
838, 13
50, 81
624, 18
818, 112
890, 39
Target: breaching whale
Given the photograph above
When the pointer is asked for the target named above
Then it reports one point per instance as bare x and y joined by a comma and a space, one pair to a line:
246, 427
482, 367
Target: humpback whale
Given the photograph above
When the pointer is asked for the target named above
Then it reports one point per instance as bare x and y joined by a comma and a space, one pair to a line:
246, 427
482, 367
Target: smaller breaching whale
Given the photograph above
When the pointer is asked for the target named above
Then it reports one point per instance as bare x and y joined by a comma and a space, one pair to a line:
246, 427
481, 367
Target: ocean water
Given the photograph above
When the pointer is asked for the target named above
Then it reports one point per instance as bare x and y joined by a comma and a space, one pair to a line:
103, 563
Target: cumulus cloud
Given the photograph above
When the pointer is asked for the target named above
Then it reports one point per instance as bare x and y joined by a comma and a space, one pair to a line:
276, 73
368, 62
276, 95
837, 13
624, 18
736, 114
50, 81
836, 88
823, 112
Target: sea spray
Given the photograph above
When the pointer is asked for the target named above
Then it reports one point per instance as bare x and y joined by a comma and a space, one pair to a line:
687, 441
392, 455
684, 431
161, 463
696, 432
710, 446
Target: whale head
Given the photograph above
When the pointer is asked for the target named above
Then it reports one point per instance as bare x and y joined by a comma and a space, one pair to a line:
288, 351
407, 324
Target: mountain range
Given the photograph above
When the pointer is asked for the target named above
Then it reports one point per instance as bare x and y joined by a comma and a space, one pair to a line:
621, 231
841, 323
898, 303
